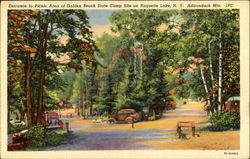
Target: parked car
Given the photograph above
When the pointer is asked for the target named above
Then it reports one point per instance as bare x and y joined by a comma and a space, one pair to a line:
125, 115
233, 103
171, 105
53, 121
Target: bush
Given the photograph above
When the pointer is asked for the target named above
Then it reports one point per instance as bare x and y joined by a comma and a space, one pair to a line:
41, 137
38, 135
225, 120
16, 128
57, 138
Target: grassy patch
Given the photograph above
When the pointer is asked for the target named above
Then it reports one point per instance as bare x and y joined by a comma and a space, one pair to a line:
42, 138
16, 128
212, 129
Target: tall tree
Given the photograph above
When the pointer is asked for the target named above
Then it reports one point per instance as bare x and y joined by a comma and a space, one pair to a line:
39, 52
107, 96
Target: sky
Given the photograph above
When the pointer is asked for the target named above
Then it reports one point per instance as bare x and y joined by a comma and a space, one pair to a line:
99, 21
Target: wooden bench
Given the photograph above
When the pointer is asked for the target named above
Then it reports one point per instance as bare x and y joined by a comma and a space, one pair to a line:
181, 124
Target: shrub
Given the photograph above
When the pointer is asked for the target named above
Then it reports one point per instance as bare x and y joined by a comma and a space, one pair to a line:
224, 120
16, 128
41, 137
38, 135
56, 138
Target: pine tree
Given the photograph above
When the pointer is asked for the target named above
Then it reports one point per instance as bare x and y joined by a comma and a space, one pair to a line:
122, 96
107, 95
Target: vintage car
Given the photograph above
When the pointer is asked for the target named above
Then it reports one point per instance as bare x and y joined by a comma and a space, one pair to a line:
52, 120
233, 103
125, 115
171, 105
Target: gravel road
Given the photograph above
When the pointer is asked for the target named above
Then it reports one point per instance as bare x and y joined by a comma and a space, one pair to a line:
114, 139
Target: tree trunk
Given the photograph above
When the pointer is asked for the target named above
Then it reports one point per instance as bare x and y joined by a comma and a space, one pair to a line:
22, 113
43, 46
220, 73
34, 108
211, 74
40, 96
8, 104
29, 71
78, 111
204, 84
82, 101
141, 64
28, 91
17, 116
135, 69
91, 107
86, 95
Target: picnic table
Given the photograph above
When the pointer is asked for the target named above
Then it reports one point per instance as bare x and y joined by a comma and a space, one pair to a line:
181, 124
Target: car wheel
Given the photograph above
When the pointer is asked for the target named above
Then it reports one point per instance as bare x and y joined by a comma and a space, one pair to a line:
111, 121
129, 120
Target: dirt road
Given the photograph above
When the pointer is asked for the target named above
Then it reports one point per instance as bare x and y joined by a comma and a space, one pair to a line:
148, 135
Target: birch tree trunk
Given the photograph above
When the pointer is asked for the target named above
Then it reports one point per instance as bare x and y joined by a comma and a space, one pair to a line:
220, 74
211, 72
135, 71
141, 63
204, 84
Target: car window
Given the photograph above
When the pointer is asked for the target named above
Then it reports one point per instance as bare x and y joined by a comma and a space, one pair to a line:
52, 116
124, 112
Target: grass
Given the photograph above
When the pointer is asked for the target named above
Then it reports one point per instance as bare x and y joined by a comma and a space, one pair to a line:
55, 139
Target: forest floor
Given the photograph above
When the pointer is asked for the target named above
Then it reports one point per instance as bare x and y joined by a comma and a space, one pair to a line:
149, 135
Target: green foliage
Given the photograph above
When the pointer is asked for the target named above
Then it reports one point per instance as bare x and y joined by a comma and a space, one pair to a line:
125, 78
107, 96
108, 45
231, 75
156, 90
224, 120
38, 134
165, 69
77, 85
41, 137
122, 99
45, 56
16, 128
57, 138
68, 77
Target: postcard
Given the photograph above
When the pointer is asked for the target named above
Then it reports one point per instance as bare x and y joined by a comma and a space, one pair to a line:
124, 79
